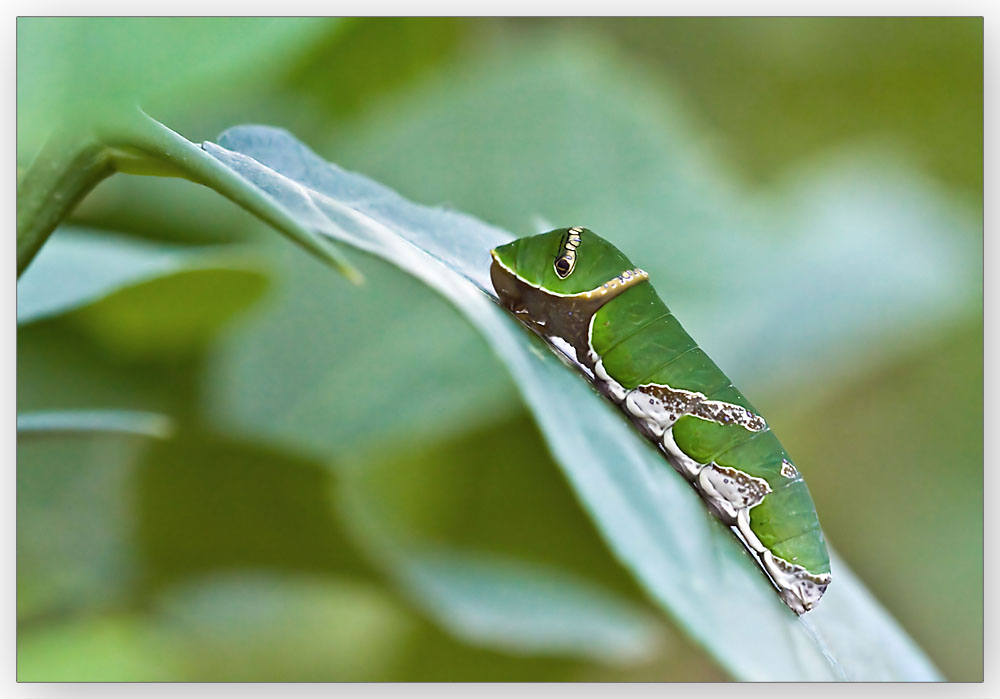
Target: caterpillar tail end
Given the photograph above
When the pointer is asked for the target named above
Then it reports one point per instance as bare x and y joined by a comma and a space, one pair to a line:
797, 587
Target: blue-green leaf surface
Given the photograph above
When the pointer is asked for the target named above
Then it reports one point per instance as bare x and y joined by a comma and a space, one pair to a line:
138, 298
80, 266
42, 425
651, 518
502, 602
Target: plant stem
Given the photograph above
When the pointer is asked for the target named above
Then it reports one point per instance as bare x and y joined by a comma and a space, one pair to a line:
67, 168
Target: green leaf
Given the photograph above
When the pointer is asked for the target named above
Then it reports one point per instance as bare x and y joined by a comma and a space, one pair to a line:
206, 504
122, 138
507, 603
267, 377
258, 625
82, 82
211, 505
241, 550
115, 648
651, 518
166, 317
81, 266
502, 554
138, 299
238, 570
77, 65
277, 627
894, 433
74, 521
44, 425
144, 144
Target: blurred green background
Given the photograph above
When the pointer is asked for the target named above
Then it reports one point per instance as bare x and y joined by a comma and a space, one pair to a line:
337, 499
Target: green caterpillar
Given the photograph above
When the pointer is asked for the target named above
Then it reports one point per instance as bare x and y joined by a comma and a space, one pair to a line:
585, 298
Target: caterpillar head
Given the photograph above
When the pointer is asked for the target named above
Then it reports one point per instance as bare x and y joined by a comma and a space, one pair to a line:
562, 261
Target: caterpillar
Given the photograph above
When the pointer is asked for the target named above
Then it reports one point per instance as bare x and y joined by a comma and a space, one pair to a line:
589, 302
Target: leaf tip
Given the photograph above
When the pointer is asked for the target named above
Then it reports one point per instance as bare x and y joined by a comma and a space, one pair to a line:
354, 276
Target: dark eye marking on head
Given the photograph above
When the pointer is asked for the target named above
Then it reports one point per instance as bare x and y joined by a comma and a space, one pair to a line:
566, 260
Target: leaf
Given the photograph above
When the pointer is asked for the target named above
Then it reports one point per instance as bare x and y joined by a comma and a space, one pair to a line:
651, 518
212, 505
206, 504
116, 648
80, 266
82, 81
526, 609
74, 521
506, 603
241, 550
890, 441
265, 377
169, 316
513, 502
237, 627
60, 368
138, 298
75, 65
503, 554
259, 625
81, 422
240, 570
278, 627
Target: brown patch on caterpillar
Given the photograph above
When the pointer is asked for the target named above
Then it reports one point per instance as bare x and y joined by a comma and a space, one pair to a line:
560, 315
729, 414
661, 403
666, 405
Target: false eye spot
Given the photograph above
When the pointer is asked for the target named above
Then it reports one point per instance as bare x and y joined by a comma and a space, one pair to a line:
563, 267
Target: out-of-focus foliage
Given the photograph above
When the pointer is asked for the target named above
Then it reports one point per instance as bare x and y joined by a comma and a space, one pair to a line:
895, 458
775, 89
896, 418
85, 65
525, 572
